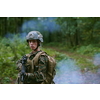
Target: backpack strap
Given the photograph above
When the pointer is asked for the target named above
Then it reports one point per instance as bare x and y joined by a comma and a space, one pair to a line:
28, 55
34, 61
36, 58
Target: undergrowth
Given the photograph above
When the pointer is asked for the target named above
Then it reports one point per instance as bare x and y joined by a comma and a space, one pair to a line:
83, 55
14, 48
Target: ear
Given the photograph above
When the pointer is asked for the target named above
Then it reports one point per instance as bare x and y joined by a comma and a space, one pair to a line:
38, 41
27, 43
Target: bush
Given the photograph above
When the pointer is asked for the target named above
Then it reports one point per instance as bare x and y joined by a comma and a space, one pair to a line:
13, 49
88, 50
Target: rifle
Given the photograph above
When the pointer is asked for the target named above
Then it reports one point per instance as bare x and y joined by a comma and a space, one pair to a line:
23, 71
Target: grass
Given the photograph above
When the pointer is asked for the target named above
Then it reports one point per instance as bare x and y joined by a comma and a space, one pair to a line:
57, 55
10, 52
83, 55
14, 49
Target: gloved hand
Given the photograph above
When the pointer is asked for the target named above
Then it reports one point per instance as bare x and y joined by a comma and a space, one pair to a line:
23, 76
29, 74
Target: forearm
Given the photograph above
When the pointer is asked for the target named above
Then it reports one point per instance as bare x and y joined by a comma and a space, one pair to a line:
40, 70
37, 75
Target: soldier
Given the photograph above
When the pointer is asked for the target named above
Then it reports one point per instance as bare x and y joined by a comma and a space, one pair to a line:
37, 63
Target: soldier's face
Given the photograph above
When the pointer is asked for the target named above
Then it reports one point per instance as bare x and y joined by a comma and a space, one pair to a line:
33, 44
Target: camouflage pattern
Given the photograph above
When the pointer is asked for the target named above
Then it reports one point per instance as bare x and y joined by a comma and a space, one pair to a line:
34, 35
36, 75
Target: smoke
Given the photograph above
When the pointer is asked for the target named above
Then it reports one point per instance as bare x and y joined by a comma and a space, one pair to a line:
30, 25
44, 25
16, 37
41, 24
67, 70
69, 73
9, 35
91, 78
97, 59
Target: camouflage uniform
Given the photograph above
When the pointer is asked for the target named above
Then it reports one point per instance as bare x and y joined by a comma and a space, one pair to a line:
39, 74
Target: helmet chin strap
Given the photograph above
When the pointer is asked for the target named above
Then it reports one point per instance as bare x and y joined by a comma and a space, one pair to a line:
36, 48
38, 44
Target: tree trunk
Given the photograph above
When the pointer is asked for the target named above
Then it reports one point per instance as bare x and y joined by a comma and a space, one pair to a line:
5, 23
18, 21
70, 40
76, 33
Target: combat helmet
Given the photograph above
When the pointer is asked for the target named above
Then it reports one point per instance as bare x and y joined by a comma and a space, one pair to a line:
34, 35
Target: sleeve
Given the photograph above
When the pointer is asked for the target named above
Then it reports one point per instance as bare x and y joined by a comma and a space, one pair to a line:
40, 70
19, 65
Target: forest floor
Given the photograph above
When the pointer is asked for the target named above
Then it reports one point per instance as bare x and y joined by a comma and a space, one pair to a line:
84, 61
70, 54
89, 72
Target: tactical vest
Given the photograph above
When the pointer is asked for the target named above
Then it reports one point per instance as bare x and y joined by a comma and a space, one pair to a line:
50, 66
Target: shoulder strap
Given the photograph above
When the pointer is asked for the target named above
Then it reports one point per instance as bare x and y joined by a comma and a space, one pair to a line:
34, 61
36, 58
28, 55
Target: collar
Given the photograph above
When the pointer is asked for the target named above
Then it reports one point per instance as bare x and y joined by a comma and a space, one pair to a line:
35, 52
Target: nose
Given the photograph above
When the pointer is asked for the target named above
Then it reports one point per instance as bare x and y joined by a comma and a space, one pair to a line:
31, 42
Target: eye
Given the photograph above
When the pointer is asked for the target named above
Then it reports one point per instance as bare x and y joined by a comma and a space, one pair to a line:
30, 41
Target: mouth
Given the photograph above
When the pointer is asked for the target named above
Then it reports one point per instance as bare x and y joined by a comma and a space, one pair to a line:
32, 46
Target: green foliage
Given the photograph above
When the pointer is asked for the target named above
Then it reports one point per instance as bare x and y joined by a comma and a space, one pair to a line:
6, 80
12, 50
80, 35
88, 50
85, 63
83, 55
72, 30
80, 30
57, 55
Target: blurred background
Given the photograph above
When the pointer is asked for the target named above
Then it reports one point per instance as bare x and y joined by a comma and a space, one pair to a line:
73, 41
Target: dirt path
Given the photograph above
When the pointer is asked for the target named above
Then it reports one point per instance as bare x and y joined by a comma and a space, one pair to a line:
85, 62
70, 54
87, 76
